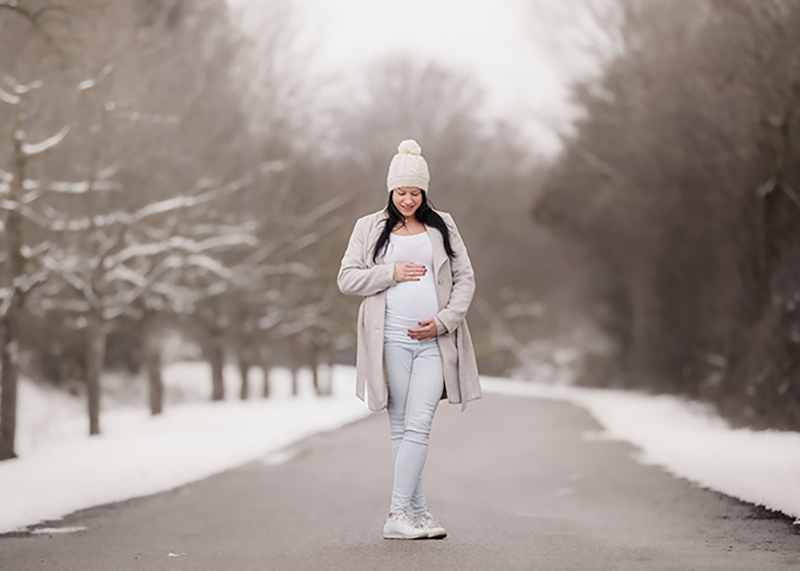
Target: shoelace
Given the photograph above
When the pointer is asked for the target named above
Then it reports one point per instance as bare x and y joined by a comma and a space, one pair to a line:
427, 520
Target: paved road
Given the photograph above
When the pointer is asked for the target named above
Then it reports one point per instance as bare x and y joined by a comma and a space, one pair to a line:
514, 481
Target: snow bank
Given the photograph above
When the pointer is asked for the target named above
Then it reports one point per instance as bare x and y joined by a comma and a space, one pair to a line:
61, 469
689, 440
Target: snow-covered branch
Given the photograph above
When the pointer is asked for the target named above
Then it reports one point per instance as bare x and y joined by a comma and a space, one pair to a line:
51, 220
31, 253
180, 243
36, 188
7, 296
21, 285
66, 187
84, 288
274, 317
54, 222
115, 305
27, 282
19, 88
124, 273
179, 202
9, 98
212, 265
32, 150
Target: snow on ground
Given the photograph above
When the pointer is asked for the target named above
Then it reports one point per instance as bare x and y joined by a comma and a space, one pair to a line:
61, 469
689, 440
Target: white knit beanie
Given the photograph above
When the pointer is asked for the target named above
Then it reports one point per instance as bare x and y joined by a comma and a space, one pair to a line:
408, 168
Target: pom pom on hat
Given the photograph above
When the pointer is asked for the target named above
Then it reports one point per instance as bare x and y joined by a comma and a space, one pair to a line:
410, 147
408, 167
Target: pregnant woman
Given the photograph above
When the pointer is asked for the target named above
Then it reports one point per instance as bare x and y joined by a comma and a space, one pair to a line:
411, 266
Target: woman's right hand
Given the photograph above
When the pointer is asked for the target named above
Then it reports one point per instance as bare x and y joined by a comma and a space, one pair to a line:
408, 272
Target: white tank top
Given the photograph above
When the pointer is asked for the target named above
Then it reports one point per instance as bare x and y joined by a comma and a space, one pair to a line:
409, 302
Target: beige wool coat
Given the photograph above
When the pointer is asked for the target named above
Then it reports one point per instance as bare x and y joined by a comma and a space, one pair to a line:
455, 286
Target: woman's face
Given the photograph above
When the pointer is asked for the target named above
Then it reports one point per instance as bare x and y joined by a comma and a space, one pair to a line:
407, 199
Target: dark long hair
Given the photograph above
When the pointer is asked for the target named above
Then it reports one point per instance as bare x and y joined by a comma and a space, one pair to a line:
424, 213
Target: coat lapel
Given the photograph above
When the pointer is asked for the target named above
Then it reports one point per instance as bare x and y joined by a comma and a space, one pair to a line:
439, 253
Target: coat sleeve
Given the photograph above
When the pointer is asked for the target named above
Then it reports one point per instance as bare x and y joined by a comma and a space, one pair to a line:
452, 314
354, 276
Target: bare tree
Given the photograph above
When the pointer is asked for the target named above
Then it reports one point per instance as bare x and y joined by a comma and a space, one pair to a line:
18, 282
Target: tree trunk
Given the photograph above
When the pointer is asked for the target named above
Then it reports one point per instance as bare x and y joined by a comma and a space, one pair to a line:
155, 382
216, 357
266, 366
294, 358
15, 269
328, 358
94, 370
8, 386
244, 371
314, 363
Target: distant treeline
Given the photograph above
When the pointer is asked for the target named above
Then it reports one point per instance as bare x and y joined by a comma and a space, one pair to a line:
681, 183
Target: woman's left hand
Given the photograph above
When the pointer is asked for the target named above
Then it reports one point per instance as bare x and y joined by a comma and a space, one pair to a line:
427, 331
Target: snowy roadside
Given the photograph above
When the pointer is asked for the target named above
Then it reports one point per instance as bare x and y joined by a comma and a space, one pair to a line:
687, 439
61, 469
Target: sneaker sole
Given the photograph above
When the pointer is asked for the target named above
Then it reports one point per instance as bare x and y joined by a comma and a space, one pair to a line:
399, 536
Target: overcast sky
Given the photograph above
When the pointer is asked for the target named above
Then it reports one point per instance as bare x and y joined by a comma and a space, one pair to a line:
494, 40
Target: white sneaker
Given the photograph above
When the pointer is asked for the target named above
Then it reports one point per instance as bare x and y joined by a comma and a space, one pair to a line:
431, 525
400, 526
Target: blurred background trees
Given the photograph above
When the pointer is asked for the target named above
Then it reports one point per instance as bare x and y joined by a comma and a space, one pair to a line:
679, 182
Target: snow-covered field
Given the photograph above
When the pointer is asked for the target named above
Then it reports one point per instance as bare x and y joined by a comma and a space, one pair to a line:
689, 440
61, 469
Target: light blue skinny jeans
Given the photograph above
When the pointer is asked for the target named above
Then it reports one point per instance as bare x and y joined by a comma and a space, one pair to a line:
416, 382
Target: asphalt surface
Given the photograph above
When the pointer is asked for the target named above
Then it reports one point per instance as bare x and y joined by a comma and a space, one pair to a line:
513, 480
